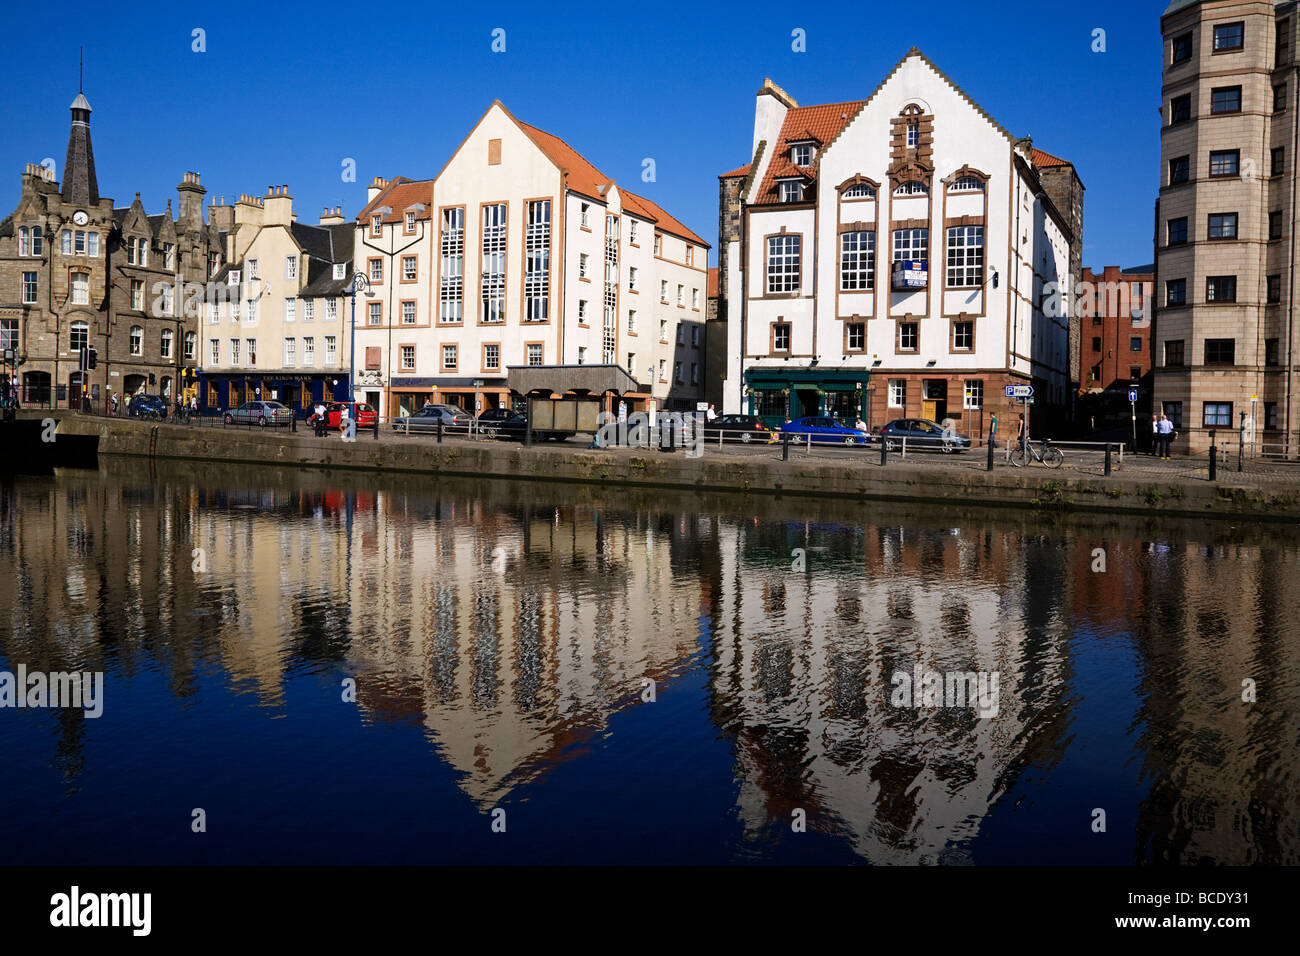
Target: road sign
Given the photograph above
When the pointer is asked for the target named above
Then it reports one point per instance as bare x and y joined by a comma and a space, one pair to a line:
1020, 391
1132, 394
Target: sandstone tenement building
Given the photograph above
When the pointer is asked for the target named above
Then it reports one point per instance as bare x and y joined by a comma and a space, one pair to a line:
75, 272
1226, 280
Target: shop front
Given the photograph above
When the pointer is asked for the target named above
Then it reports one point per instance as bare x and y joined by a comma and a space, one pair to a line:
473, 395
220, 391
777, 394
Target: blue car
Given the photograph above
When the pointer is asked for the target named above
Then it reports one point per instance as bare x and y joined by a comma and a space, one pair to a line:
922, 433
824, 430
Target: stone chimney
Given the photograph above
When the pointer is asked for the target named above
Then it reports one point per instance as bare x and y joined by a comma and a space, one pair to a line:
221, 215
332, 216
279, 207
377, 186
771, 105
249, 210
190, 201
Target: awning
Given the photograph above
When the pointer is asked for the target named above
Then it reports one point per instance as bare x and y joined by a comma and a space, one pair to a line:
595, 379
826, 379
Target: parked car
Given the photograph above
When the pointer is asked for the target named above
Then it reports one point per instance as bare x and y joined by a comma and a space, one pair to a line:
260, 414
922, 433
825, 430
427, 418
148, 406
365, 415
502, 423
745, 428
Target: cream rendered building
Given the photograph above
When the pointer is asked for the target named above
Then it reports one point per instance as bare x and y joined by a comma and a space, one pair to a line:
281, 331
539, 262
394, 251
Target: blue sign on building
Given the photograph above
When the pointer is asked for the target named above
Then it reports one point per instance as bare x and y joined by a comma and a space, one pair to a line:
911, 274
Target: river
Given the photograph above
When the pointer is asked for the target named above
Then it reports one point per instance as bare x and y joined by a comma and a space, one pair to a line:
333, 668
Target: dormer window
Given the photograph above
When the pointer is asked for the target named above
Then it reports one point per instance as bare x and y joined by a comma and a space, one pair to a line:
232, 278
340, 270
966, 184
410, 222
860, 191
913, 188
791, 191
802, 154
376, 225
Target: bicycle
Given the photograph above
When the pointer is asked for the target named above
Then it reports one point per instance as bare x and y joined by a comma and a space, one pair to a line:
1051, 456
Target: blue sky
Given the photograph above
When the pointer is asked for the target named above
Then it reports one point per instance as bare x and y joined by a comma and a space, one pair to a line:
285, 92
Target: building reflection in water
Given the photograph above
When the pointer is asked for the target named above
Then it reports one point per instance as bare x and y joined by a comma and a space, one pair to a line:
515, 624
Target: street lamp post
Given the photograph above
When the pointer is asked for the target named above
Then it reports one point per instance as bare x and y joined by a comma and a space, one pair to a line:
359, 281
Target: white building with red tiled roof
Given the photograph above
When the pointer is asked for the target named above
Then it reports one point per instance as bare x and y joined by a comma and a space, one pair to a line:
892, 257
395, 252
527, 257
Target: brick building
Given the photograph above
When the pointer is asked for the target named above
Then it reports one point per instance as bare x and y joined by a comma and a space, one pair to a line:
1116, 344
75, 271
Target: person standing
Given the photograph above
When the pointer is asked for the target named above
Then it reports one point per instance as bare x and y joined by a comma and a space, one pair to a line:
1166, 436
1155, 436
712, 413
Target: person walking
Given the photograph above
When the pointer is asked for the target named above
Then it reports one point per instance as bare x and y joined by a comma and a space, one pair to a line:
1166, 436
112, 401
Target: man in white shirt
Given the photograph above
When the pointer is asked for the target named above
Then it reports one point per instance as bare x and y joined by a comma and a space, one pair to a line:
1166, 436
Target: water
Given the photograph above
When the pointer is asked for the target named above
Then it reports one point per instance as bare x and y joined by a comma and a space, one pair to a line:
503, 638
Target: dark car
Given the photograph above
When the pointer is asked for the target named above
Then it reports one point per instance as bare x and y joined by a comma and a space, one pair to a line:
921, 433
148, 406
822, 429
502, 423
745, 428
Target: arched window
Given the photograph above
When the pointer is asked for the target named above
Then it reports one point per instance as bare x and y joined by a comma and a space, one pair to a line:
913, 188
81, 288
860, 191
966, 184
137, 340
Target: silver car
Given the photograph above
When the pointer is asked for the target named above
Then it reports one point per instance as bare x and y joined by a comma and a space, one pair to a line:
427, 418
260, 414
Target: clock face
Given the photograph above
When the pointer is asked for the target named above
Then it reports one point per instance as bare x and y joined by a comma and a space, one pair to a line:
80, 218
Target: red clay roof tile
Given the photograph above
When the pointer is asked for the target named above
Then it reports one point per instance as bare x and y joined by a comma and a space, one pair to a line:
398, 195
821, 123
1043, 159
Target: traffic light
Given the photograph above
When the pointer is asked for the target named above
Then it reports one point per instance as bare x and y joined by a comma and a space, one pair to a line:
92, 358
